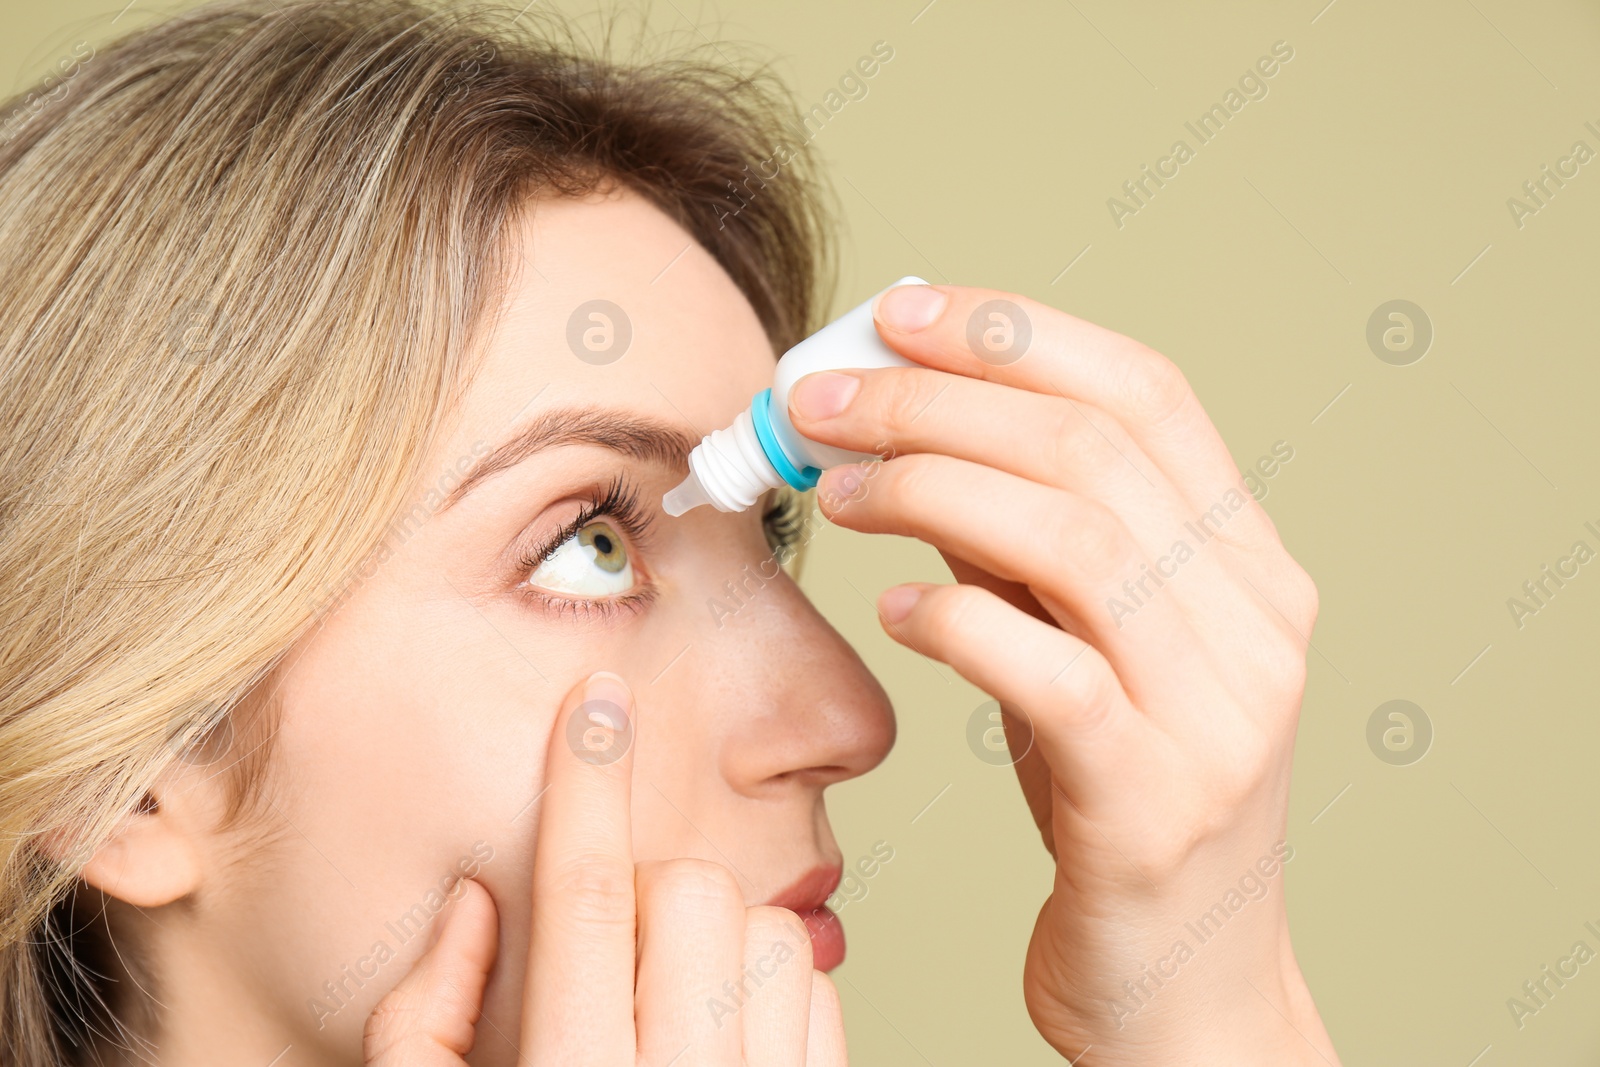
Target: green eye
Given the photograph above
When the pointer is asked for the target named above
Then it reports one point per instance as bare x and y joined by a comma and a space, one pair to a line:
609, 555
592, 562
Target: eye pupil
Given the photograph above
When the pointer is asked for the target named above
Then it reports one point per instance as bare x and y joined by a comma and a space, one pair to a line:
608, 553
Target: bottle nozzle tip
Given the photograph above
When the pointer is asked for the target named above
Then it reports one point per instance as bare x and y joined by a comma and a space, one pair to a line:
688, 494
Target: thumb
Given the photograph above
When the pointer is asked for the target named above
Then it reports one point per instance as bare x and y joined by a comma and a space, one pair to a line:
430, 1018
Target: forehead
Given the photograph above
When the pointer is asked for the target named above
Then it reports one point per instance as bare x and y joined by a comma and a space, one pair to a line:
611, 302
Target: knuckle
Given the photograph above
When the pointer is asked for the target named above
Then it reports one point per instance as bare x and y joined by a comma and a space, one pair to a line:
1246, 765
1248, 769
1307, 599
905, 480
416, 1026
904, 397
1091, 689
1072, 439
1283, 661
1169, 856
592, 889
1156, 389
393, 1027
694, 885
1093, 539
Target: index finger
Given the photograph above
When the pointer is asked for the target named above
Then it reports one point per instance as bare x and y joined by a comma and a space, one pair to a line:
578, 999
1007, 338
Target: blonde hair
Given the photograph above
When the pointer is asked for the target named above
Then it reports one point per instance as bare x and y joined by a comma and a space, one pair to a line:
252, 248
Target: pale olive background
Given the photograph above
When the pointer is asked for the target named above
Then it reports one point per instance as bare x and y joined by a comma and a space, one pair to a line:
1419, 497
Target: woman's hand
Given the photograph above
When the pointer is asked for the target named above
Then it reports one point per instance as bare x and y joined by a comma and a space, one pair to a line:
625, 959
1123, 594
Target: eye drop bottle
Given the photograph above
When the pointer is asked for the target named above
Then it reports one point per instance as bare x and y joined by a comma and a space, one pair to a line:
731, 468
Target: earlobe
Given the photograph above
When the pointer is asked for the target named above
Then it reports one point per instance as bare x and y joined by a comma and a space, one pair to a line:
148, 861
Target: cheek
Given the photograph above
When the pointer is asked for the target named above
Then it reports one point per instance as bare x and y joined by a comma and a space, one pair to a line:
431, 722
399, 764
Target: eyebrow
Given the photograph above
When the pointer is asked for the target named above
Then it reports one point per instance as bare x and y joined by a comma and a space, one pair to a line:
635, 436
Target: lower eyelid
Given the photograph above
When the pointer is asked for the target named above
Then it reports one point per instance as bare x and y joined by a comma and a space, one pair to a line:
606, 608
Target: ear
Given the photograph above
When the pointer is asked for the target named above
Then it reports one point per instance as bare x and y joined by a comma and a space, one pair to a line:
150, 859
155, 854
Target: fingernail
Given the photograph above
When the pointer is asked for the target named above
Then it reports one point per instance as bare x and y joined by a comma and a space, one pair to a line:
908, 308
824, 395
610, 688
838, 486
895, 604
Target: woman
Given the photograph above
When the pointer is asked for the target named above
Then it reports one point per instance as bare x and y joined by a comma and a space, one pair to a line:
359, 705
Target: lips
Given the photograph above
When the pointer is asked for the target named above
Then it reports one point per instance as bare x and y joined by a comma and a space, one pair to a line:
805, 898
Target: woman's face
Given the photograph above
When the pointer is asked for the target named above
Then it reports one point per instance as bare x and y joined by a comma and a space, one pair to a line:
415, 723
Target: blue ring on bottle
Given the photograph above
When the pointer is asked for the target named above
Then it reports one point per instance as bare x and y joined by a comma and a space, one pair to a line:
803, 478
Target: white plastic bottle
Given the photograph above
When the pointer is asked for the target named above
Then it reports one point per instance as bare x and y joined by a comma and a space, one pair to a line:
731, 468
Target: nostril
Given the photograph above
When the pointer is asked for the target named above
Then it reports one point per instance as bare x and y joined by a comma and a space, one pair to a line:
820, 775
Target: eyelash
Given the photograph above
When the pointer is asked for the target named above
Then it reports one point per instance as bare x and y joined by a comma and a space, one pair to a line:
620, 501
784, 522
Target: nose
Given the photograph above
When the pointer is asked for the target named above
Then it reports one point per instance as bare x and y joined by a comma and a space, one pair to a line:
760, 706
782, 701
819, 717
